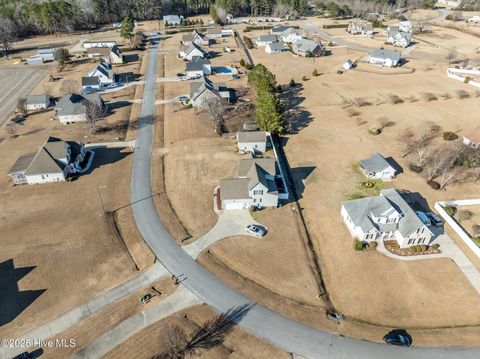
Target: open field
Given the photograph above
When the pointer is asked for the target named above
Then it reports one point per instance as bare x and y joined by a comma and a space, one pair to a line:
17, 82
238, 344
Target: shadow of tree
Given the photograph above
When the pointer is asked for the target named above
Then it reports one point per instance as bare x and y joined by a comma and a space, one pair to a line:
296, 116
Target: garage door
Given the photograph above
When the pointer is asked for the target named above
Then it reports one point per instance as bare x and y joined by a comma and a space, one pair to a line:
234, 205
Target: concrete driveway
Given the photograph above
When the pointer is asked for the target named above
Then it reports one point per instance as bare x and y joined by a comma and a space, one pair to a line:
230, 223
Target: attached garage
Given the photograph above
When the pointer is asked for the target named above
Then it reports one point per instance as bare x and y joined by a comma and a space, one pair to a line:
234, 204
234, 193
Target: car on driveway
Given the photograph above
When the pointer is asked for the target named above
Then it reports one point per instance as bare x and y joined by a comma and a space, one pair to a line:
434, 218
255, 230
398, 337
424, 218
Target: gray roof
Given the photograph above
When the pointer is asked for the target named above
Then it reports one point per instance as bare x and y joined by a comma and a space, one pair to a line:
305, 45
385, 54
251, 136
388, 202
171, 18
234, 188
267, 38
38, 99
406, 35
375, 163
192, 36
22, 163
72, 104
197, 63
289, 31
198, 87
276, 46
214, 31
278, 29
90, 80
267, 164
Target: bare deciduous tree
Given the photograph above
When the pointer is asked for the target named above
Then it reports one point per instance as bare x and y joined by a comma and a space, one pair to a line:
384, 122
11, 129
7, 33
464, 215
69, 86
94, 113
451, 55
22, 106
215, 109
441, 164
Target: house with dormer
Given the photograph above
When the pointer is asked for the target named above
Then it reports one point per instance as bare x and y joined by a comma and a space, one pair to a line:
385, 217
195, 37
187, 52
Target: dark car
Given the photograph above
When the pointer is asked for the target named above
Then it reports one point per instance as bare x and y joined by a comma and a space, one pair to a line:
24, 355
398, 337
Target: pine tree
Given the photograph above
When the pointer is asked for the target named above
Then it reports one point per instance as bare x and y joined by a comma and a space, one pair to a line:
126, 28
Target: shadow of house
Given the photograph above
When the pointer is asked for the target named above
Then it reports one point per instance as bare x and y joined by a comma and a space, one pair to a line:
13, 301
131, 58
295, 116
105, 156
300, 177
395, 165
127, 77
116, 105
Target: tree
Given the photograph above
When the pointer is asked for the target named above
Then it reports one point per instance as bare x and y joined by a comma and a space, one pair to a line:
126, 28
261, 78
93, 112
268, 116
7, 33
214, 15
451, 55
21, 106
138, 39
215, 109
61, 55
315, 72
11, 129
69, 86
464, 215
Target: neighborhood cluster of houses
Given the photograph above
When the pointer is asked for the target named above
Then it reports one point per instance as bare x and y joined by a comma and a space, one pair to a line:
399, 34
259, 181
387, 216
283, 38
55, 161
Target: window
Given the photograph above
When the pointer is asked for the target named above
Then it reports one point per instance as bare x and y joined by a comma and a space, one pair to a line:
258, 192
411, 241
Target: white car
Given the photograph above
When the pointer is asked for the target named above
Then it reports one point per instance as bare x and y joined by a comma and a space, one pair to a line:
255, 230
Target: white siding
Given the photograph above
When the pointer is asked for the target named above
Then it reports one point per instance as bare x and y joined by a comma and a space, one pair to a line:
45, 178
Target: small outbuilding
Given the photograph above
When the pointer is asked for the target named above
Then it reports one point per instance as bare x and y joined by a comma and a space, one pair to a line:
252, 141
37, 102
473, 139
275, 48
377, 167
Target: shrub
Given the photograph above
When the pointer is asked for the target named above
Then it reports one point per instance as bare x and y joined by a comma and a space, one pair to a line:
304, 78
374, 131
461, 94
476, 240
353, 196
394, 99
367, 184
248, 42
412, 249
467, 79
449, 136
372, 244
435, 245
315, 73
242, 62
428, 96
451, 210
394, 245
415, 168
435, 185
292, 83
464, 215
358, 245
476, 229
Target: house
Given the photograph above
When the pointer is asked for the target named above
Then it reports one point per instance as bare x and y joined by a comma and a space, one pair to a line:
290, 35
254, 186
385, 217
89, 44
472, 139
195, 37
198, 66
227, 31
215, 33
279, 29
188, 52
37, 102
347, 65
54, 162
386, 58
252, 141
360, 28
400, 39
201, 91
101, 76
110, 55
308, 48
72, 107
266, 39
172, 20
391, 28
473, 19
405, 26
275, 48
377, 167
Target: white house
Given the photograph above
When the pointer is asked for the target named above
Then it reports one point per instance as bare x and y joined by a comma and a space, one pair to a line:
195, 37
98, 78
472, 139
385, 217
201, 91
400, 39
473, 19
252, 141
89, 44
377, 167
275, 48
110, 55
54, 162
360, 28
266, 39
290, 35
198, 66
172, 20
405, 26
72, 107
37, 102
254, 185
308, 48
188, 52
385, 58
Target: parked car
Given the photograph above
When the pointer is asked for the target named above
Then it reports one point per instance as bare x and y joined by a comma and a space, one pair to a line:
398, 337
180, 74
235, 77
424, 218
256, 230
24, 355
434, 218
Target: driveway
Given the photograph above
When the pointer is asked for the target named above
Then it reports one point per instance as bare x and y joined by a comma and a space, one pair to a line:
230, 223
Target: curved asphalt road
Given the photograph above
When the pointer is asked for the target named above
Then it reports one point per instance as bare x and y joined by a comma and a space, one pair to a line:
281, 331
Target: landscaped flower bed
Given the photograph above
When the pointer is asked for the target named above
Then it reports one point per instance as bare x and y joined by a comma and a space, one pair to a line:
419, 249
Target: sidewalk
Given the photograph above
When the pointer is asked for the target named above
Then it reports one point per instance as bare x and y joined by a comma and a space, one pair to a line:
181, 299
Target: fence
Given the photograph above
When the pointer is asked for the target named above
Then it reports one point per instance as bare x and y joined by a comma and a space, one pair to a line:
452, 74
464, 236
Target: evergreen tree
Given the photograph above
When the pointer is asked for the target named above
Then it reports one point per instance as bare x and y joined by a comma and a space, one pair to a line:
126, 28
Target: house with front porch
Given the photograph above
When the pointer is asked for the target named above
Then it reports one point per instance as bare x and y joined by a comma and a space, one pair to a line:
377, 167
385, 217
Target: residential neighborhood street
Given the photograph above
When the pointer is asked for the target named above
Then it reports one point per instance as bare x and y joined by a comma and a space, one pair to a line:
283, 332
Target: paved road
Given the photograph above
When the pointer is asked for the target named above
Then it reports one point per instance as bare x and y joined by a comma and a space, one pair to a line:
283, 332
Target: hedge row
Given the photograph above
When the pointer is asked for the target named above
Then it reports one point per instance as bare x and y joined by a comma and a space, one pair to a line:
335, 26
